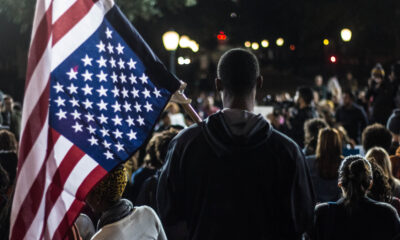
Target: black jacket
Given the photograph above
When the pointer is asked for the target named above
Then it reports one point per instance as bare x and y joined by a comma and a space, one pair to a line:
229, 185
353, 119
296, 131
370, 221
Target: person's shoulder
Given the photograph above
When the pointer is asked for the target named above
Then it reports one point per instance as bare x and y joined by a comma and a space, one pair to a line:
189, 132
382, 207
322, 209
284, 142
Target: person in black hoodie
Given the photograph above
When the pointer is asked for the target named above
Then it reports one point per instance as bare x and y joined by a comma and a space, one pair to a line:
233, 176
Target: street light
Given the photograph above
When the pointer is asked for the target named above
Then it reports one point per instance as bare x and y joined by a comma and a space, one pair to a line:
326, 42
184, 41
170, 41
255, 46
280, 42
247, 44
345, 34
264, 43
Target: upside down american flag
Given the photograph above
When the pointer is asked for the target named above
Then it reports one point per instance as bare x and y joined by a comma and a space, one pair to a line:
94, 90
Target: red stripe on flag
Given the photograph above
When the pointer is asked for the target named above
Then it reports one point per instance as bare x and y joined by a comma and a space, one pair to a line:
31, 203
39, 43
68, 163
70, 18
34, 125
73, 212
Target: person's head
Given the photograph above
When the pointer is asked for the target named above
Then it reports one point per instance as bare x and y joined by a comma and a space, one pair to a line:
311, 130
328, 153
349, 76
378, 73
8, 142
173, 108
238, 76
380, 190
158, 147
381, 157
108, 191
393, 124
304, 96
8, 103
348, 97
376, 135
318, 80
355, 178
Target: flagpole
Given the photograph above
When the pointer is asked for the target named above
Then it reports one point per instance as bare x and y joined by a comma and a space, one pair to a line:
191, 112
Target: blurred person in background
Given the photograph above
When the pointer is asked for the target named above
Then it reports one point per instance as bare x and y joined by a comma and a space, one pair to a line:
5, 203
320, 88
350, 83
393, 125
335, 89
380, 157
351, 116
311, 131
11, 118
208, 108
381, 190
355, 216
324, 165
381, 94
376, 135
304, 110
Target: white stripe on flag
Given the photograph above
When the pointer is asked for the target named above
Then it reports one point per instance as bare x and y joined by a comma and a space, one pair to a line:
64, 202
37, 85
60, 7
41, 7
29, 171
84, 29
54, 160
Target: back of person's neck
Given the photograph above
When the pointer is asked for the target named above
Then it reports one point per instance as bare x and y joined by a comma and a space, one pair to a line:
304, 105
245, 103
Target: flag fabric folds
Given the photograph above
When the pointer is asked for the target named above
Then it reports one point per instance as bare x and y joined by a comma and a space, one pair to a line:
94, 90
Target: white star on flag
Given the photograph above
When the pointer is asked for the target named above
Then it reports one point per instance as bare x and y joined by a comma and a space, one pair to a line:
131, 135
87, 76
61, 114
87, 61
101, 47
132, 64
77, 127
72, 74
120, 49
102, 62
108, 33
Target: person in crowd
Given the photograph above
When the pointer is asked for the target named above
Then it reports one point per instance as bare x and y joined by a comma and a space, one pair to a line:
335, 89
393, 125
320, 88
381, 190
143, 191
381, 94
380, 157
311, 130
233, 176
355, 216
119, 218
208, 108
351, 116
394, 78
304, 111
11, 118
5, 202
8, 154
350, 83
376, 135
325, 164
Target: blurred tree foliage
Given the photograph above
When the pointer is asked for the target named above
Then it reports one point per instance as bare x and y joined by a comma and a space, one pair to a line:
21, 12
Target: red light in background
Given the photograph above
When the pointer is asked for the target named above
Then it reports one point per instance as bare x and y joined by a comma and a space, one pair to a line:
292, 47
333, 59
221, 36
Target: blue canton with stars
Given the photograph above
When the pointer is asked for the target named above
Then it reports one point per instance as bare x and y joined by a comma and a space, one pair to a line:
102, 100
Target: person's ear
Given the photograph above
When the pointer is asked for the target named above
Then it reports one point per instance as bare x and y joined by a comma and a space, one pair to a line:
218, 85
339, 184
260, 82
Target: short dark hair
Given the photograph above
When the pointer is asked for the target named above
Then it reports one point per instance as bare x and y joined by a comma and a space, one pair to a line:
376, 135
350, 93
238, 70
306, 93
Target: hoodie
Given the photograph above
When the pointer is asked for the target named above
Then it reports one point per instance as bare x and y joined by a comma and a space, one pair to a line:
234, 177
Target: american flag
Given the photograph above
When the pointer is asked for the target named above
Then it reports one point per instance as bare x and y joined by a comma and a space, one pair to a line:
94, 90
